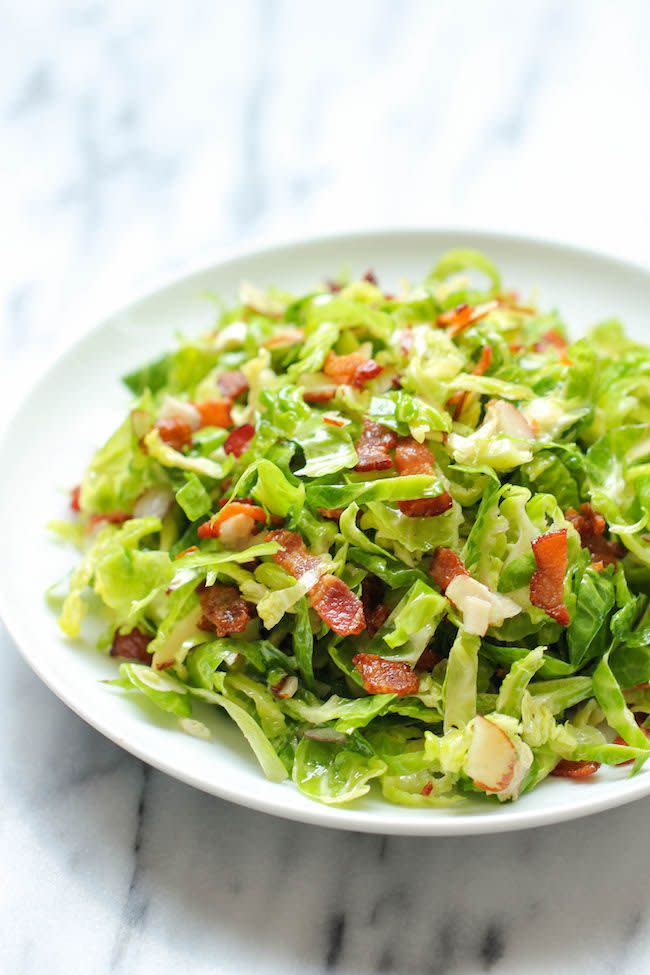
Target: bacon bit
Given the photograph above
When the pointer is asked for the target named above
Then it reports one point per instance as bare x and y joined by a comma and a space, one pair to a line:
551, 340
371, 278
334, 602
174, 431
232, 384
456, 403
132, 646
322, 394
374, 610
338, 606
238, 440
224, 611
382, 676
369, 370
293, 555
333, 514
354, 369
333, 287
427, 789
211, 528
427, 661
591, 527
462, 316
373, 445
621, 741
187, 551
284, 338
445, 566
75, 496
575, 770
334, 421
112, 517
412, 457
215, 412
547, 583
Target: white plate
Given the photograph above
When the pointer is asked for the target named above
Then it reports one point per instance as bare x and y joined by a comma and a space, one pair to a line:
80, 400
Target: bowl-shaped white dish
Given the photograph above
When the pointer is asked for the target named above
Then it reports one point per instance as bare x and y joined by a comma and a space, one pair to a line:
77, 403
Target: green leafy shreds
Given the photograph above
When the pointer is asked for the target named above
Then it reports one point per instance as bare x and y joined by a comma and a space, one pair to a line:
284, 571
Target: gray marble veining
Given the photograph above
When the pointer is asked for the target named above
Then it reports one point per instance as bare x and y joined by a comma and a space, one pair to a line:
136, 136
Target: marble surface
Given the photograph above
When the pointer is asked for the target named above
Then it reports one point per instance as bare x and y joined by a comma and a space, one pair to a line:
137, 138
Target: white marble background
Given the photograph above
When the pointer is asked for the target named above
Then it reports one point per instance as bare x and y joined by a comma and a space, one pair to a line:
136, 137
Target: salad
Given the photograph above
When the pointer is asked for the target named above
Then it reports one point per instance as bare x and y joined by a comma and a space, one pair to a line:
401, 539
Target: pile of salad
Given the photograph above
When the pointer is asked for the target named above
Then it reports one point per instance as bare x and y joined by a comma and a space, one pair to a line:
401, 537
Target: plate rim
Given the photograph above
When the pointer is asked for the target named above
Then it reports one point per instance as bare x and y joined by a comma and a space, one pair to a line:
330, 817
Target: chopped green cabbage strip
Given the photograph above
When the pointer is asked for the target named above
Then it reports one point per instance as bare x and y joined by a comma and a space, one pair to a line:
280, 559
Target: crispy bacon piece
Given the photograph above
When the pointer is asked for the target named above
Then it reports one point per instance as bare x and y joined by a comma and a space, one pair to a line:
132, 646
372, 599
456, 403
551, 340
462, 316
319, 394
332, 514
383, 676
238, 439
334, 602
338, 606
575, 770
373, 447
174, 431
224, 611
212, 528
547, 583
445, 566
354, 369
591, 527
412, 457
293, 556
75, 496
427, 661
215, 412
232, 384
427, 789
371, 278
621, 741
366, 371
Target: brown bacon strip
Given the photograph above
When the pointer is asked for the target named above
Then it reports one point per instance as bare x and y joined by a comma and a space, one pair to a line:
372, 598
224, 611
591, 527
338, 606
354, 369
412, 457
383, 676
237, 441
373, 447
232, 384
427, 660
75, 498
174, 431
566, 769
462, 316
334, 602
445, 566
547, 583
332, 514
293, 555
132, 646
